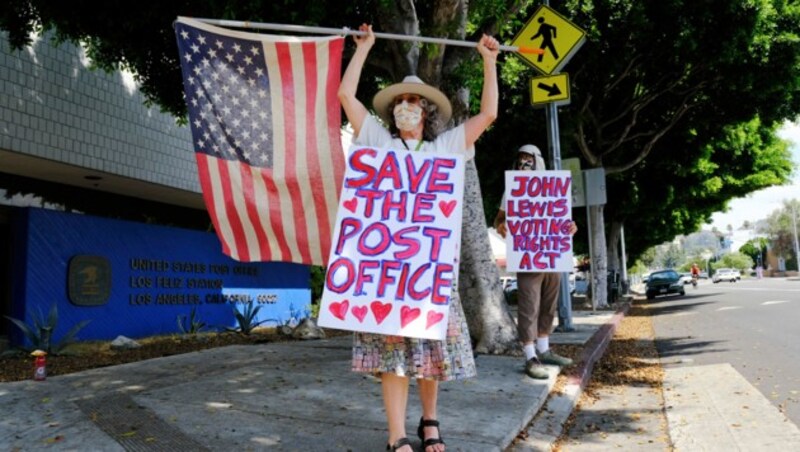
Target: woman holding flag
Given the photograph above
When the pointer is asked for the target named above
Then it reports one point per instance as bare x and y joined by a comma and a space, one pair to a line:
415, 112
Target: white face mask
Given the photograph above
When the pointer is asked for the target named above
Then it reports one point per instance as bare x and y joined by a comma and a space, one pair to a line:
407, 116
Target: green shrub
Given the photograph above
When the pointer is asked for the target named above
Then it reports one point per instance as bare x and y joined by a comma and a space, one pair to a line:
247, 318
192, 325
317, 282
314, 311
40, 334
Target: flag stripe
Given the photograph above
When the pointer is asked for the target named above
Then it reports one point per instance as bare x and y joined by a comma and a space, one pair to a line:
291, 147
276, 247
226, 192
277, 185
313, 194
212, 204
276, 214
260, 246
241, 204
335, 121
331, 152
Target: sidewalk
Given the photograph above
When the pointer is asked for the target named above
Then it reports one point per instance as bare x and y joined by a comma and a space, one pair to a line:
286, 396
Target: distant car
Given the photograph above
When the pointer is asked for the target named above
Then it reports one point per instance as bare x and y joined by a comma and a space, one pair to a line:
703, 275
726, 274
686, 278
664, 282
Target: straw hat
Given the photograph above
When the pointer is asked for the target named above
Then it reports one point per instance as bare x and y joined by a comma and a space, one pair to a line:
413, 85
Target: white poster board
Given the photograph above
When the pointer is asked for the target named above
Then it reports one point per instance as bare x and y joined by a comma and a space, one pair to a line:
394, 255
538, 207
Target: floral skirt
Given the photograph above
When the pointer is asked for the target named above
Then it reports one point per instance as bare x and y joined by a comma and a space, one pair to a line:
450, 359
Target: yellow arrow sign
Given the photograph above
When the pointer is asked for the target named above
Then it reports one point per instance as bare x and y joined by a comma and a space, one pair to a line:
550, 89
553, 33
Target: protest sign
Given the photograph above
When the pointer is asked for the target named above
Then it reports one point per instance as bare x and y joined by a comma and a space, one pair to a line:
538, 207
394, 255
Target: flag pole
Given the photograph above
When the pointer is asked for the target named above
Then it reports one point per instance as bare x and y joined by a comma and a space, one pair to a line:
349, 32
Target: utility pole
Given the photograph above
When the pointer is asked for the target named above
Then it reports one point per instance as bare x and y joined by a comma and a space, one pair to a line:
796, 245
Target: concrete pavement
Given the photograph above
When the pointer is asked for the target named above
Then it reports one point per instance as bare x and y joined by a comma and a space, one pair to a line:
282, 396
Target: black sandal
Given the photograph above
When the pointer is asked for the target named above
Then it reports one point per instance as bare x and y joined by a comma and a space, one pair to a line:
426, 443
398, 444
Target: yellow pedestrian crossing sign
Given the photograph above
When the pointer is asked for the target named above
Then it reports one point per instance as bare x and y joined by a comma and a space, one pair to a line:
553, 33
549, 89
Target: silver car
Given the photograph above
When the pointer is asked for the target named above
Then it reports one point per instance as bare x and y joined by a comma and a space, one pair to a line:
725, 274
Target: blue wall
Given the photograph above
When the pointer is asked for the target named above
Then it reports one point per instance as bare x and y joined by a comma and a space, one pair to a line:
157, 273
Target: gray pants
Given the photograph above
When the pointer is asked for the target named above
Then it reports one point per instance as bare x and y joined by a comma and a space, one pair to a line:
536, 304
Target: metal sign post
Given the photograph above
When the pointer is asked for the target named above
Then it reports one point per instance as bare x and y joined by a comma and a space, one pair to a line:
558, 39
564, 297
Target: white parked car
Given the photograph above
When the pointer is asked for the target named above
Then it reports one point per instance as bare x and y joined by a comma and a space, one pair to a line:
686, 278
726, 274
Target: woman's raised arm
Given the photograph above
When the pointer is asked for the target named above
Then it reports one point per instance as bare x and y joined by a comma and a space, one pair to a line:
488, 47
355, 111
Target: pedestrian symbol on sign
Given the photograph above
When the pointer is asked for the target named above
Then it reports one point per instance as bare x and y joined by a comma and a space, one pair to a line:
555, 35
547, 32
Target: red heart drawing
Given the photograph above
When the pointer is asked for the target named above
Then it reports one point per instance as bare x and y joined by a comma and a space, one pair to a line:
434, 318
407, 315
380, 310
339, 310
351, 205
360, 312
447, 207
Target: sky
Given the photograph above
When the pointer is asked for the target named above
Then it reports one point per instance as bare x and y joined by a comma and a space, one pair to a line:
758, 205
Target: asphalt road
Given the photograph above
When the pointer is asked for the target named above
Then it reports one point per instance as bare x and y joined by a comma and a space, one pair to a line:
754, 325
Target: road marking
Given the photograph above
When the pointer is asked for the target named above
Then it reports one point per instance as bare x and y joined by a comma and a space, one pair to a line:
728, 308
767, 303
759, 289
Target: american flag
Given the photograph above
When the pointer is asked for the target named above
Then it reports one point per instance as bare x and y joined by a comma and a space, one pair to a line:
265, 123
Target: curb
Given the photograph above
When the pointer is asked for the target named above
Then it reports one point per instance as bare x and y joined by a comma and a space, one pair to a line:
548, 425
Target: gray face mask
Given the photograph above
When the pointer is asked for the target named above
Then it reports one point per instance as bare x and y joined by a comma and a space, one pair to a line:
525, 165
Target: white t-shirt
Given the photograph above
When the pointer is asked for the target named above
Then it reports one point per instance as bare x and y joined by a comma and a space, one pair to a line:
372, 133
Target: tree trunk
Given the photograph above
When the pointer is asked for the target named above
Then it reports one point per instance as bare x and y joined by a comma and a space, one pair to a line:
599, 258
490, 324
614, 255
616, 261
400, 17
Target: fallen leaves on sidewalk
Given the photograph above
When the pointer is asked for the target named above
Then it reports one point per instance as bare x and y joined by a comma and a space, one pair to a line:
630, 360
631, 357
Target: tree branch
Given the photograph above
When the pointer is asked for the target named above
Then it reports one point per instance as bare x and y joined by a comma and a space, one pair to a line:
455, 56
400, 17
685, 106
